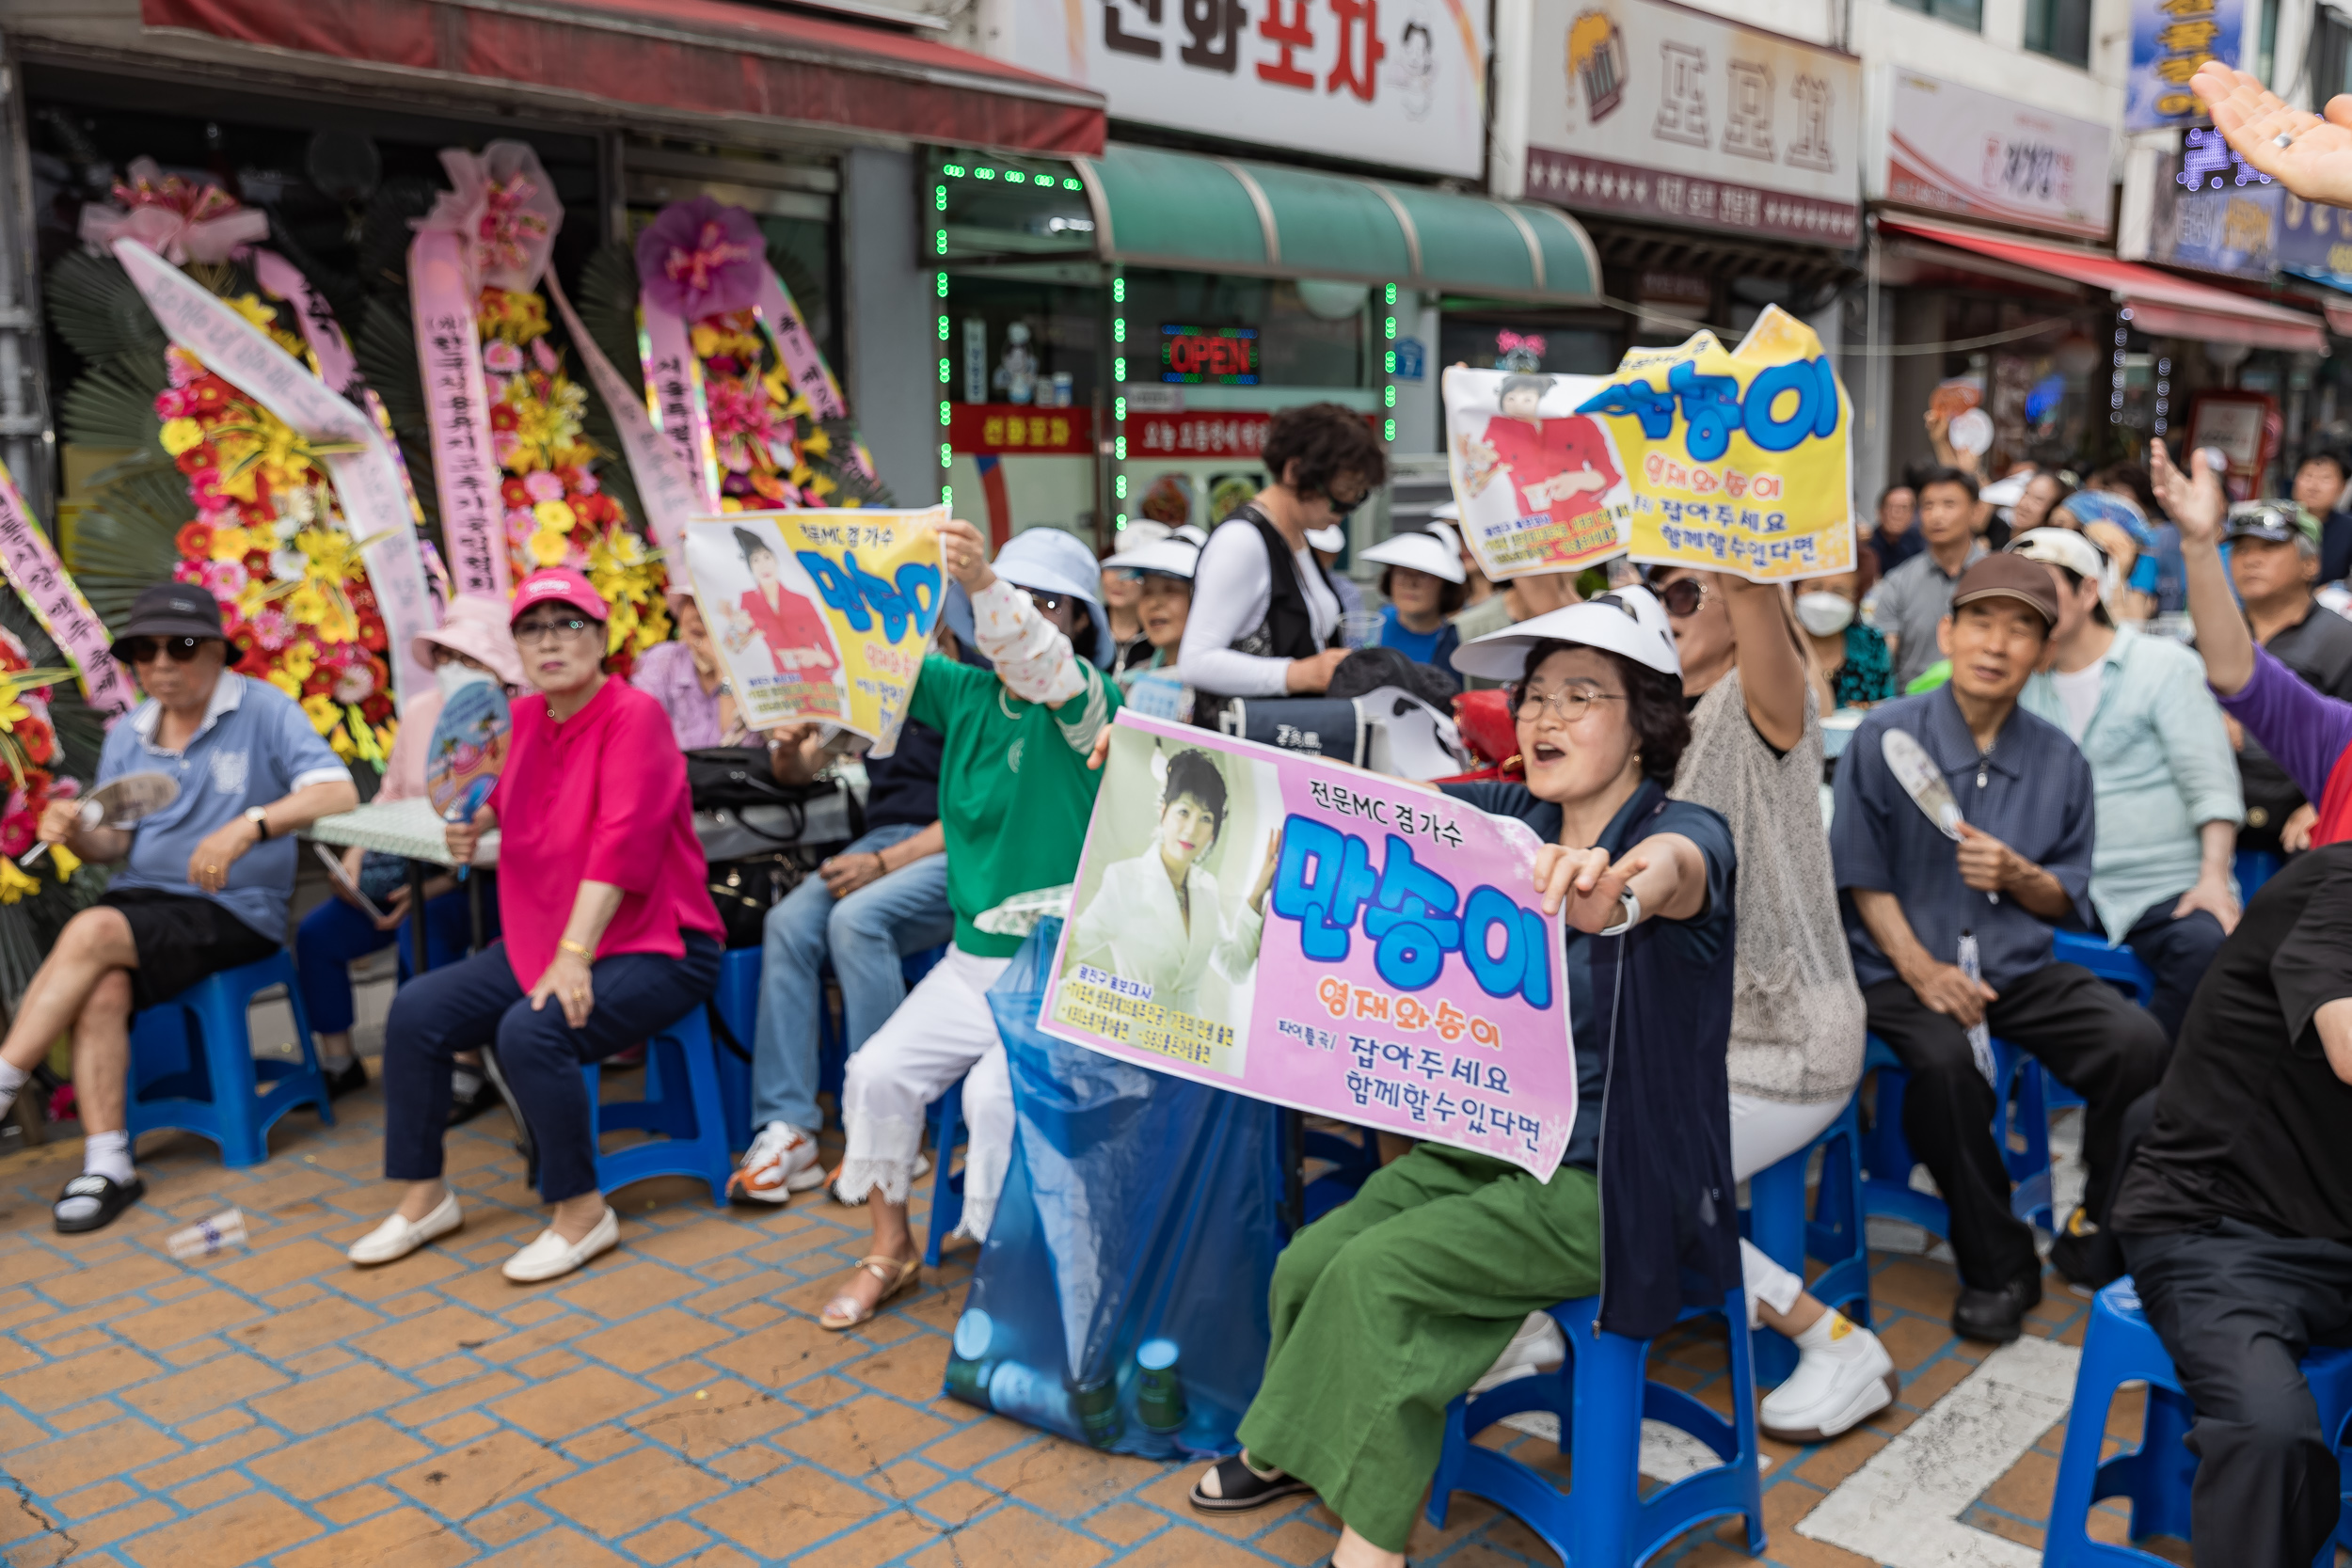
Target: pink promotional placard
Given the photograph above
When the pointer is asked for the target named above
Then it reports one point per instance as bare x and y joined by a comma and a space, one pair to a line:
1309, 934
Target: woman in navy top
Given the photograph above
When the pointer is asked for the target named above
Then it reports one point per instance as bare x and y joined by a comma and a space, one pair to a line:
1392, 1305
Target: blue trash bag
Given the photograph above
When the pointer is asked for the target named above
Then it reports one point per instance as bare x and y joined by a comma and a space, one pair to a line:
1120, 1300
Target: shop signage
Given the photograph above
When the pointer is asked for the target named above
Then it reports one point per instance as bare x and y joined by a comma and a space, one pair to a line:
1194, 355
2214, 212
1377, 953
2171, 39
1956, 151
2315, 238
1648, 108
1396, 82
1200, 434
1013, 429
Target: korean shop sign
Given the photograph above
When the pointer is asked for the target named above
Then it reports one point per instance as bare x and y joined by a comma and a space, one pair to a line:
1394, 82
1956, 151
2171, 39
1668, 113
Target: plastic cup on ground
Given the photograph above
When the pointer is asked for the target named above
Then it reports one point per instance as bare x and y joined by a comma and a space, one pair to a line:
208, 1238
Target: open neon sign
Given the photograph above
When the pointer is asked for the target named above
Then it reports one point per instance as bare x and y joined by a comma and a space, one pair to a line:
1194, 355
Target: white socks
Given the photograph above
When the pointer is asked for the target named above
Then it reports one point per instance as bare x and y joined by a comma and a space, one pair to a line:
334, 1058
108, 1154
11, 1080
1767, 1282
465, 1083
1834, 1333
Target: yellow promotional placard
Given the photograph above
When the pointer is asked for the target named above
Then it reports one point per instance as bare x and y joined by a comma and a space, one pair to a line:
820, 615
1737, 461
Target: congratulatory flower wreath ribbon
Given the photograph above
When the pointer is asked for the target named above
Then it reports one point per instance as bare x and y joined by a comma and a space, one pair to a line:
48, 590
368, 480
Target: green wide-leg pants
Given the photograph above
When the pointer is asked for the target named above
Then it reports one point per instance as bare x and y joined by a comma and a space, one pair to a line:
1392, 1305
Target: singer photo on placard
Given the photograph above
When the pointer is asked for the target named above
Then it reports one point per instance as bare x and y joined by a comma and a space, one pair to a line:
771, 604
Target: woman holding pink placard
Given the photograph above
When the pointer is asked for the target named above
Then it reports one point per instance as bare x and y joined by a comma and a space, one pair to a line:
1392, 1305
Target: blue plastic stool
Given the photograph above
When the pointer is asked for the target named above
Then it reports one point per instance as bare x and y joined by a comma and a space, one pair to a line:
1777, 1222
736, 1004
1600, 1394
833, 1051
2117, 966
193, 1066
2120, 1348
681, 1100
947, 1119
1352, 1161
2020, 1109
2254, 867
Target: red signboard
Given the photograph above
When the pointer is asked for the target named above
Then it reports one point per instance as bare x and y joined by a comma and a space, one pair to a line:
1014, 428
1219, 434
1227, 355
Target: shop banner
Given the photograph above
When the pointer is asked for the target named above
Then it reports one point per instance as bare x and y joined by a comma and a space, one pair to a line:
367, 480
48, 590
1660, 111
1344, 944
1692, 455
1956, 151
2171, 39
822, 615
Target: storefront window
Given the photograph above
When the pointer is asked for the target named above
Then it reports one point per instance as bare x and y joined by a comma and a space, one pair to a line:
1959, 13
2060, 29
1305, 334
1524, 343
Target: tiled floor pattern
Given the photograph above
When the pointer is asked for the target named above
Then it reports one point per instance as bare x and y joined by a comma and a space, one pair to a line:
674, 1403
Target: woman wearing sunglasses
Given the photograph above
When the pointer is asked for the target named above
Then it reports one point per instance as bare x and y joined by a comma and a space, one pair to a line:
1393, 1303
1797, 1022
609, 935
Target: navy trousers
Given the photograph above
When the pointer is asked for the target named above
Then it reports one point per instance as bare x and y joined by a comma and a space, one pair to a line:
465, 1006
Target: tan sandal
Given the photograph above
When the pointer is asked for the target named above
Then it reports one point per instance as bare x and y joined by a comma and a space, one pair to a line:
895, 1275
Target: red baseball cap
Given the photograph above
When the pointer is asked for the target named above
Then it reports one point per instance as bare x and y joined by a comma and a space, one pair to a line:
563, 585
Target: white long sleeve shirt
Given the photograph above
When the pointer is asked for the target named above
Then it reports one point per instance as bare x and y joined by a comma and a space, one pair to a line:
1233, 588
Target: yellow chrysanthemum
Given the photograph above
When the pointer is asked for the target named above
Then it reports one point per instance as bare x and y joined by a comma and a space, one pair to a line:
230, 544
252, 597
300, 661
325, 717
286, 683
706, 340
253, 309
14, 883
339, 624
306, 603
555, 514
181, 435
549, 547
334, 556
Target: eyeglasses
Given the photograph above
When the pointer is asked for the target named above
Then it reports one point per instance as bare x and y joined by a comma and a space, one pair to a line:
144, 650
1046, 602
1568, 704
1683, 596
1340, 509
544, 631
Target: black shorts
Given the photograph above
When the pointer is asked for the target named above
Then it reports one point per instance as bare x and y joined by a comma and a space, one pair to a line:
181, 940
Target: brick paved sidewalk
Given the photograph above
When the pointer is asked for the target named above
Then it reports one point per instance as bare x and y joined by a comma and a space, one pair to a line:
674, 1402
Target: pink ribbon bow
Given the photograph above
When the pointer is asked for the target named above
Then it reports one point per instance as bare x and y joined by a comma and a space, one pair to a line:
173, 216
505, 211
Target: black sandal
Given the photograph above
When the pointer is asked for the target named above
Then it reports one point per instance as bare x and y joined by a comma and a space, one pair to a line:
1242, 1488
113, 1197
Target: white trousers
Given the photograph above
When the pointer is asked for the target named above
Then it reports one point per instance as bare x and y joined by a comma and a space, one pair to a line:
1763, 1134
942, 1032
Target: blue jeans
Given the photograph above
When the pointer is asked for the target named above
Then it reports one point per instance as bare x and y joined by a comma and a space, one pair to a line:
334, 934
867, 933
2177, 953
479, 1002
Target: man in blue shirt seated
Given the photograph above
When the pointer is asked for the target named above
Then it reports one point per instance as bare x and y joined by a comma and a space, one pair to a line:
2022, 863
207, 880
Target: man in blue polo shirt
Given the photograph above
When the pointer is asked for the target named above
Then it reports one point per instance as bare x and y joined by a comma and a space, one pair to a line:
207, 880
2022, 864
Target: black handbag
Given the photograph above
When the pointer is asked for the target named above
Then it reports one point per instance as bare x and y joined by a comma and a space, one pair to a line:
763, 827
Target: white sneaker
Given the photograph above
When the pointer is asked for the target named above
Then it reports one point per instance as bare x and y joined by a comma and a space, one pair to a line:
782, 1161
397, 1238
551, 1257
1537, 1347
1844, 1377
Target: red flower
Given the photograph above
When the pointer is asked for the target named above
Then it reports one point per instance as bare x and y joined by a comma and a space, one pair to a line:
254, 663
501, 416
38, 742
193, 541
208, 395
512, 492
258, 514
257, 564
362, 597
377, 709
197, 457
372, 633
321, 684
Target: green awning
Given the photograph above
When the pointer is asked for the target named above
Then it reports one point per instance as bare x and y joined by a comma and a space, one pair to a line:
1160, 209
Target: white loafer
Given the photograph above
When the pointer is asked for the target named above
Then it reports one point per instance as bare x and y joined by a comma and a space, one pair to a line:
551, 1257
397, 1238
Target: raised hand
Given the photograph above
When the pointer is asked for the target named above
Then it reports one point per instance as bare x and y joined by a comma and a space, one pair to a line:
2195, 501
2310, 154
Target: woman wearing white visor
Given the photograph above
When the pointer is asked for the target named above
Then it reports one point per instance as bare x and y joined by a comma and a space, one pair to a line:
1422, 581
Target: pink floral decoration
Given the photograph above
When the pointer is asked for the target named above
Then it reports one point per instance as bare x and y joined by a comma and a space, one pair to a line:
701, 258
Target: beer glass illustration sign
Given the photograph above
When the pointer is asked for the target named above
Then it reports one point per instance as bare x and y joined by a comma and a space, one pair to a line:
820, 615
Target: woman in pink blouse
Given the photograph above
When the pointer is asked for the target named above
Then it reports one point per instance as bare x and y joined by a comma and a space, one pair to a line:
609, 935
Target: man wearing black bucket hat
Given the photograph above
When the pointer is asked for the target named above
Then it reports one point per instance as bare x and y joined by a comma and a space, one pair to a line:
206, 878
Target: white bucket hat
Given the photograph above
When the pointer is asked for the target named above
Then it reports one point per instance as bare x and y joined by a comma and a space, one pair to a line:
1171, 557
1627, 621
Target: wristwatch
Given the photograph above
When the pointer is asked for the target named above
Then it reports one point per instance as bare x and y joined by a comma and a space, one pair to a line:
1631, 904
260, 818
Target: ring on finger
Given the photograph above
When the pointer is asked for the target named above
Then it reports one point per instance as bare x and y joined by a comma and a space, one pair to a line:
2284, 138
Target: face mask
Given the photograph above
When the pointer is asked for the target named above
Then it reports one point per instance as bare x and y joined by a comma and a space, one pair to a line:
1824, 614
455, 678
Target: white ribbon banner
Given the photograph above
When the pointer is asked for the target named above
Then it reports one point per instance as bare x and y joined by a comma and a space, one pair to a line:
664, 488
375, 505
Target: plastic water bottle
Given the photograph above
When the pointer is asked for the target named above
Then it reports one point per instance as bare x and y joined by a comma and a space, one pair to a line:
208, 1238
1979, 1036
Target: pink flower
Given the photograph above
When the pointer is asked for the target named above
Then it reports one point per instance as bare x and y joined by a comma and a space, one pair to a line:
502, 357
543, 355
520, 522
581, 481
273, 628
204, 489
503, 444
171, 404
226, 580
544, 486
181, 367
184, 570
357, 682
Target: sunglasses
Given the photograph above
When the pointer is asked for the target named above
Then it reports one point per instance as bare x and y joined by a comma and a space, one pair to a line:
1340, 509
144, 650
541, 631
1682, 597
1046, 602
